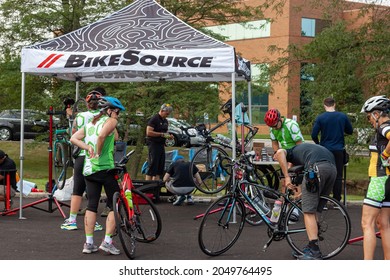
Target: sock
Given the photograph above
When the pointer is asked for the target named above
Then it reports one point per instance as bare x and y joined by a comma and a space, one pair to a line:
72, 217
108, 238
89, 238
313, 244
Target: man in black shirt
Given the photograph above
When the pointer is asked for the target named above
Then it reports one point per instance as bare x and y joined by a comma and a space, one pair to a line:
178, 180
7, 165
321, 160
156, 132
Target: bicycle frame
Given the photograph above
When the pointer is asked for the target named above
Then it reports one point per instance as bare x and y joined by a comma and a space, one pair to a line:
250, 135
127, 184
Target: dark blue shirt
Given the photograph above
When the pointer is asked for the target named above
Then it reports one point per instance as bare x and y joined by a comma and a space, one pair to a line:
307, 154
331, 126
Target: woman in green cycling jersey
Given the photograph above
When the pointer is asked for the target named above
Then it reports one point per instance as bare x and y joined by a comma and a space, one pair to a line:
98, 138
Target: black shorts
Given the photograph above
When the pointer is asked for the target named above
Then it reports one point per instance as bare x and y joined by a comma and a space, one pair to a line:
79, 185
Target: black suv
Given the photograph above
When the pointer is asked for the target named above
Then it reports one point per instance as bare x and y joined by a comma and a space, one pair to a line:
35, 123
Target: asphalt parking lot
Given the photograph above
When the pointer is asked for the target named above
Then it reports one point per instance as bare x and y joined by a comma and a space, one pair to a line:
38, 237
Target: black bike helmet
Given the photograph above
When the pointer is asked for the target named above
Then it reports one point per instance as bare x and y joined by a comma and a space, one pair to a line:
93, 95
108, 102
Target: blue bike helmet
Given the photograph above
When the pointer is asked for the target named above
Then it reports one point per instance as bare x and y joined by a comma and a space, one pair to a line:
108, 102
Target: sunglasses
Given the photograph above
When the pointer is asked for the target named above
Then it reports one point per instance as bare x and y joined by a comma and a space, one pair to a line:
368, 117
276, 125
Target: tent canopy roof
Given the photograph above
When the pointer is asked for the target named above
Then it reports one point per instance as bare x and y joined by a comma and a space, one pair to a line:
141, 42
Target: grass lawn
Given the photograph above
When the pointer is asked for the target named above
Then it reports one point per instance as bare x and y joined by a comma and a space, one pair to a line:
36, 157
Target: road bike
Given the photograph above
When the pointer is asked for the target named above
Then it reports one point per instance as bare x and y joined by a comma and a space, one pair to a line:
224, 220
62, 155
63, 149
208, 160
136, 217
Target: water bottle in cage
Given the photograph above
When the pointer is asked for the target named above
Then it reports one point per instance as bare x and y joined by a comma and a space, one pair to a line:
276, 211
129, 197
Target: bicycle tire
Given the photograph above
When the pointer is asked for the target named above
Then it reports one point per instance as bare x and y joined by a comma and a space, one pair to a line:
334, 229
148, 223
218, 231
123, 226
79, 106
252, 217
215, 175
267, 176
60, 164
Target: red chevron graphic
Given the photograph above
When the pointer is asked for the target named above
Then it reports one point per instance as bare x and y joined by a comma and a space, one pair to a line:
49, 60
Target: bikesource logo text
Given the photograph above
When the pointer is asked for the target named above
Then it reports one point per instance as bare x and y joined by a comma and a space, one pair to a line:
133, 57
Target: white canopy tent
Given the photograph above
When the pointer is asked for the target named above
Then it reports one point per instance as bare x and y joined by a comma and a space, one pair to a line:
141, 42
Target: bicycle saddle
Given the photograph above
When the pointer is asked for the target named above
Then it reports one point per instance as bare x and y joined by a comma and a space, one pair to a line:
296, 169
296, 174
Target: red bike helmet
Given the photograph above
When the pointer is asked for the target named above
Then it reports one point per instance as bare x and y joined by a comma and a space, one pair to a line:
272, 117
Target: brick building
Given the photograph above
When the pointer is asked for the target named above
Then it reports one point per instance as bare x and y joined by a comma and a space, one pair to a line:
298, 23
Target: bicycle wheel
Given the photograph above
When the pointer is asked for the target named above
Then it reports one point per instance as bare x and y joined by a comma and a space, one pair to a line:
147, 218
79, 106
60, 164
123, 226
221, 225
211, 163
252, 217
267, 175
334, 229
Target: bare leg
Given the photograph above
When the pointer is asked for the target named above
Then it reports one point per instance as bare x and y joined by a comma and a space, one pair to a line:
369, 216
383, 222
89, 222
110, 223
311, 225
75, 203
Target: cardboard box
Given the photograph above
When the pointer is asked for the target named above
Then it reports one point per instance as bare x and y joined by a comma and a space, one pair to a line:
257, 147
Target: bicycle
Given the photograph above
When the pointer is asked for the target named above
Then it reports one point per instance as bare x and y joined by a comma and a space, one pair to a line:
63, 149
209, 158
224, 220
136, 218
62, 156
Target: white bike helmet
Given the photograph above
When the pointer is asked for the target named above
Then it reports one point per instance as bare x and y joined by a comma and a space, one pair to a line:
380, 103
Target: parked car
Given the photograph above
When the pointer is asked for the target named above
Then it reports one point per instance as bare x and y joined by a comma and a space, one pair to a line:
179, 137
35, 123
175, 128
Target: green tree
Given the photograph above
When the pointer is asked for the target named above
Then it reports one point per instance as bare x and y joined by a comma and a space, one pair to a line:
25, 22
348, 64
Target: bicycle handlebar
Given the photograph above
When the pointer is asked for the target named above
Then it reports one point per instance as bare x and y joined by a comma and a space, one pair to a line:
125, 159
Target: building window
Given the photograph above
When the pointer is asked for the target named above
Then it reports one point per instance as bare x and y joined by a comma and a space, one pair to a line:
260, 90
311, 27
308, 27
242, 31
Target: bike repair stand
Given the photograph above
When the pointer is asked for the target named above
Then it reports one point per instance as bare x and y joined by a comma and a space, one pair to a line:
50, 199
